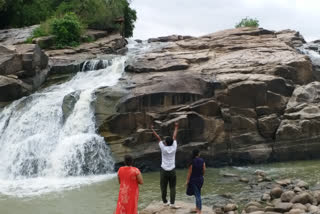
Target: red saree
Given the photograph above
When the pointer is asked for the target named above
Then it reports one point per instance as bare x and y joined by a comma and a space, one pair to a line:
129, 190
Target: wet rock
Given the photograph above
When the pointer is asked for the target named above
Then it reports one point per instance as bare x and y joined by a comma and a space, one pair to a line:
13, 88
276, 192
68, 104
260, 173
269, 209
276, 201
244, 180
302, 198
284, 182
218, 210
313, 209
297, 189
230, 175
299, 206
254, 203
287, 196
296, 211
316, 195
303, 184
251, 209
283, 207
230, 207
266, 197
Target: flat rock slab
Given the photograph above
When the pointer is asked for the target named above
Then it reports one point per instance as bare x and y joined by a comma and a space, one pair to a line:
159, 208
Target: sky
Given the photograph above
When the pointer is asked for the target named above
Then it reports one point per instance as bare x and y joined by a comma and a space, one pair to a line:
199, 17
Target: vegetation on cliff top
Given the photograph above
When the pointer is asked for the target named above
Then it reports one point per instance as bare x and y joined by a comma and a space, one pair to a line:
248, 22
112, 15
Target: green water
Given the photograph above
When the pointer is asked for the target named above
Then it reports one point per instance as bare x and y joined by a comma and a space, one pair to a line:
101, 197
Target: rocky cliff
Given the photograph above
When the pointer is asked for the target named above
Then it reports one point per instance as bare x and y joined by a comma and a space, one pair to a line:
24, 68
242, 96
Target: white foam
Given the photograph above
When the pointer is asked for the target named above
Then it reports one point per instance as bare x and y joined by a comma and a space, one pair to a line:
43, 185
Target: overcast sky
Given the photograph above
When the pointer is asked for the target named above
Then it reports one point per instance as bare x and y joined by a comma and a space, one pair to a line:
199, 17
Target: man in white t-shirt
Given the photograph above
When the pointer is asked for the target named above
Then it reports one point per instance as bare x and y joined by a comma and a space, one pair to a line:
168, 164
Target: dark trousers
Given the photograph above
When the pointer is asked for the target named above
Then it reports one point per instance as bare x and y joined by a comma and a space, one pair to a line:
168, 177
197, 195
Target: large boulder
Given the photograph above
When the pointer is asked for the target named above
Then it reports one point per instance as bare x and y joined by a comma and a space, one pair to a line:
11, 88
23, 68
230, 91
300, 129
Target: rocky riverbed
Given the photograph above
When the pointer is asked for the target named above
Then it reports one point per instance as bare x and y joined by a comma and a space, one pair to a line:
288, 196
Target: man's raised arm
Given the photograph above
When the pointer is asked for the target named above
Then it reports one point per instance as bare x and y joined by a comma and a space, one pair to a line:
155, 133
176, 126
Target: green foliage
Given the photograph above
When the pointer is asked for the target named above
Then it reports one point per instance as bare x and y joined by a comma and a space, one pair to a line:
40, 31
248, 22
18, 13
130, 16
102, 14
67, 30
2, 4
29, 40
95, 14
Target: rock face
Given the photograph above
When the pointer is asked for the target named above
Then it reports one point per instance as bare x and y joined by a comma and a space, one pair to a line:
23, 68
69, 60
235, 93
16, 35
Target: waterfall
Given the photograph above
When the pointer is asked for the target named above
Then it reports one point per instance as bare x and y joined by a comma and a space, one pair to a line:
312, 49
48, 140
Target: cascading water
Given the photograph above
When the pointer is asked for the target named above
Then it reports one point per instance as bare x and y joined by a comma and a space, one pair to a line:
312, 49
44, 148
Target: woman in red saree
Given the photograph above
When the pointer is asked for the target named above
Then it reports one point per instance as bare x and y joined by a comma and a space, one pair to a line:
129, 179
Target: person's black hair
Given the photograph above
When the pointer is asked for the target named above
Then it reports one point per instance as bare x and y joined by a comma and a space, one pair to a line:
169, 141
195, 153
128, 160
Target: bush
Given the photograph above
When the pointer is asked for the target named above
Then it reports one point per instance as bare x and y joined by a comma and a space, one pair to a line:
42, 30
248, 22
67, 30
102, 14
96, 14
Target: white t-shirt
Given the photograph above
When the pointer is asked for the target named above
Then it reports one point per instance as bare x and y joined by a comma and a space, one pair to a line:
168, 154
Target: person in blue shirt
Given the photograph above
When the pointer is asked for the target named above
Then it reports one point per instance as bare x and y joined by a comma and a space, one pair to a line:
194, 182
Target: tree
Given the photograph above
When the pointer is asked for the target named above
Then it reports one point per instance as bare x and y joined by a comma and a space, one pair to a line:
248, 22
2, 4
